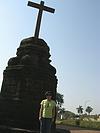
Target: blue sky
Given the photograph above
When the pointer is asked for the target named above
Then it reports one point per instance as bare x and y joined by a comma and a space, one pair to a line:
73, 35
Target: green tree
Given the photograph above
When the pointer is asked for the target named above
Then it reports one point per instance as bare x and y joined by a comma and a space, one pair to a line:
89, 109
59, 99
59, 102
80, 110
61, 112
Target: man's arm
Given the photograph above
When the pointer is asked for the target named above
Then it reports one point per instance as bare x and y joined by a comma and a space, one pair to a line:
54, 114
40, 112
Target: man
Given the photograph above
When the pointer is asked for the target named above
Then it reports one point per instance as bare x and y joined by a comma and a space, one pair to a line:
47, 113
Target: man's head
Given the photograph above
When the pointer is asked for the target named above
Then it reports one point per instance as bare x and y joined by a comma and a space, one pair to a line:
48, 95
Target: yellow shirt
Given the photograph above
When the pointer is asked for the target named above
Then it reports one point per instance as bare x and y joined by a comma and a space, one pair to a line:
47, 108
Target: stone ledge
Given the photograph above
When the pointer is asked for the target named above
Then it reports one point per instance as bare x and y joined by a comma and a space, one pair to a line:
58, 130
5, 129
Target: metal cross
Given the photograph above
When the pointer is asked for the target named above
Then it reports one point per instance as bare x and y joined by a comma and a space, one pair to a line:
41, 7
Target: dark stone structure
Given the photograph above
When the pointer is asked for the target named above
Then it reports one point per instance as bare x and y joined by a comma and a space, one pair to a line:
25, 80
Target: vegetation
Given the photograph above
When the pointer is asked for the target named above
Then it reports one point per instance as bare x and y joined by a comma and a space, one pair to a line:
85, 124
66, 117
80, 110
59, 100
89, 109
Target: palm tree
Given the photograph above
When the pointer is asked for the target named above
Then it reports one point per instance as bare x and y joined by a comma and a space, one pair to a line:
80, 110
89, 109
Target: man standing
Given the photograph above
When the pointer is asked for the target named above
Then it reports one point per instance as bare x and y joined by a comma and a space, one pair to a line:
47, 113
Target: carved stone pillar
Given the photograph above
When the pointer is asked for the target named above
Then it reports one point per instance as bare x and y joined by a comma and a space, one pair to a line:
25, 80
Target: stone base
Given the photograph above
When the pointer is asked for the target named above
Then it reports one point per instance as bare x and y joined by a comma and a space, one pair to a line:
5, 129
58, 130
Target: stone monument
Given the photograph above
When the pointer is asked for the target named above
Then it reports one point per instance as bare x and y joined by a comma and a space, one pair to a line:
25, 80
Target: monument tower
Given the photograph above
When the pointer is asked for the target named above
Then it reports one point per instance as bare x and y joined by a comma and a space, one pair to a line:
25, 80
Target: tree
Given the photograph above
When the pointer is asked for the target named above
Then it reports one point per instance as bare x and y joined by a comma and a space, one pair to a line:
89, 109
61, 112
59, 100
80, 110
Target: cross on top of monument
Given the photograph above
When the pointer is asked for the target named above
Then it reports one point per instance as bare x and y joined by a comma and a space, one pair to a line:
41, 7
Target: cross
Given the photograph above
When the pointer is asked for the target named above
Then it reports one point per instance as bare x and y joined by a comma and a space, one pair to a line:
41, 7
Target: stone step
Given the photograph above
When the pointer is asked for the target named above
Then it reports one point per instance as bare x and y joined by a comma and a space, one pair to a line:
5, 129
58, 130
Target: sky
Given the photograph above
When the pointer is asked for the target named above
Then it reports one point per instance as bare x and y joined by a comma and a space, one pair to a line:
73, 35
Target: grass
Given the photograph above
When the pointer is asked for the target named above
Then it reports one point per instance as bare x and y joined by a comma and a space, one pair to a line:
86, 124
90, 124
